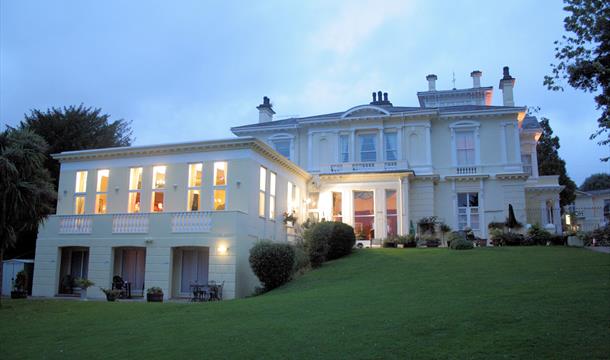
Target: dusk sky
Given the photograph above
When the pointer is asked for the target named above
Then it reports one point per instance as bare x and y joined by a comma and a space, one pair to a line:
189, 70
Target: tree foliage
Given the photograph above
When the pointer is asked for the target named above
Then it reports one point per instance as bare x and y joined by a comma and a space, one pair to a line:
26, 190
584, 56
549, 162
76, 128
599, 181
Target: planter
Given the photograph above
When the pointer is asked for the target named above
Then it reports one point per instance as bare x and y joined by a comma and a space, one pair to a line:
154, 297
19, 294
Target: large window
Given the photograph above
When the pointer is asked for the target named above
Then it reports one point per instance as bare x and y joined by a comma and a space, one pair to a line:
343, 148
391, 146
158, 193
337, 207
101, 191
272, 181
80, 190
220, 185
368, 149
464, 144
364, 215
391, 213
194, 187
282, 146
262, 187
468, 210
135, 190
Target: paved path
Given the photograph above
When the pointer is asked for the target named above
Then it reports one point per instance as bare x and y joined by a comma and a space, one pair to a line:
602, 249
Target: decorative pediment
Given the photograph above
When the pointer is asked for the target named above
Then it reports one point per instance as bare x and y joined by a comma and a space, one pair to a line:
365, 110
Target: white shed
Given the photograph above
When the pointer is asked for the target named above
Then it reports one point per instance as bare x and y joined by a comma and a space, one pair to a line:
10, 268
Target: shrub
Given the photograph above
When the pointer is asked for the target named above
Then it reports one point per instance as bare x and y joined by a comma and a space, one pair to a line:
459, 242
317, 240
272, 263
407, 240
155, 290
601, 236
390, 242
426, 224
537, 236
497, 225
507, 239
341, 241
557, 240
432, 242
301, 260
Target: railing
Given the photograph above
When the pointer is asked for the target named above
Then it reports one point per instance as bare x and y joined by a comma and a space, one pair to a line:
130, 223
364, 166
75, 224
191, 222
466, 170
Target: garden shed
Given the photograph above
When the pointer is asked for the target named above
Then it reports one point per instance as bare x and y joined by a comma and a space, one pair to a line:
10, 268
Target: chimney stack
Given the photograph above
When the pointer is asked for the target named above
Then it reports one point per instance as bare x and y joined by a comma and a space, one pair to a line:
476, 78
507, 83
431, 82
265, 111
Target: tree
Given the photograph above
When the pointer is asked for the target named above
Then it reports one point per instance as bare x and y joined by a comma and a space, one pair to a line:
599, 181
76, 128
549, 162
584, 56
26, 189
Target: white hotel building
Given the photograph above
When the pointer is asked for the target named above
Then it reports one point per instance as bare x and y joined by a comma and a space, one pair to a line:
171, 215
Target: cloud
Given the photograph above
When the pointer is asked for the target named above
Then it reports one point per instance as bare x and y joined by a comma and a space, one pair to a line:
355, 23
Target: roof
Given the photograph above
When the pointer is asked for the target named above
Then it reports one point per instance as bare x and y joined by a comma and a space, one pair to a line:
386, 109
598, 192
530, 122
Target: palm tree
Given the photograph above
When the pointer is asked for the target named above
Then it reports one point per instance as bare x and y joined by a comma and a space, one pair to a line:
26, 188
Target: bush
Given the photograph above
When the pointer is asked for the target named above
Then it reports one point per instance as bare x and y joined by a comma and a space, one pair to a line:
601, 236
390, 242
496, 225
301, 260
507, 239
459, 242
317, 240
272, 263
537, 236
341, 241
407, 240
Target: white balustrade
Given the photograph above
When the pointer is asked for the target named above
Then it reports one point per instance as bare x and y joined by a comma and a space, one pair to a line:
191, 222
76, 224
466, 170
130, 223
365, 166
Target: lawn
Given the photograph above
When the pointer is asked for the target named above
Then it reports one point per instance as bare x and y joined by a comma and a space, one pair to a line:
528, 302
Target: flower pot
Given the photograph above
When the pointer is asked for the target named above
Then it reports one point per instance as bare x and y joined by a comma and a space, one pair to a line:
83, 294
154, 297
19, 294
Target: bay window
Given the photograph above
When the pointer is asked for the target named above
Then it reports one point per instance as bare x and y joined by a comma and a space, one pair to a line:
468, 210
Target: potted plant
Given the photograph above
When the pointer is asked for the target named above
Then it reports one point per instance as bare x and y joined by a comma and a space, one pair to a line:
444, 228
20, 285
154, 294
83, 284
111, 294
408, 241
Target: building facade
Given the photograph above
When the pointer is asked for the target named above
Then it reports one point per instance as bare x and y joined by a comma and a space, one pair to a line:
172, 215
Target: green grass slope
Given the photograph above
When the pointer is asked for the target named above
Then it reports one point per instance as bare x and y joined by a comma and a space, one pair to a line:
534, 302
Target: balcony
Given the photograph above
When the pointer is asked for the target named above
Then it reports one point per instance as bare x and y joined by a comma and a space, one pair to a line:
143, 223
377, 166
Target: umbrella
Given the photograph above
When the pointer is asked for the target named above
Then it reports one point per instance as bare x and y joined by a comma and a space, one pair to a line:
511, 222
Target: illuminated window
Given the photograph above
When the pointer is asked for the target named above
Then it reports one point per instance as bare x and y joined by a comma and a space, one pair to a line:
220, 185
80, 190
337, 207
135, 190
220, 173
101, 191
261, 191
272, 180
194, 190
391, 210
158, 195
364, 215
314, 213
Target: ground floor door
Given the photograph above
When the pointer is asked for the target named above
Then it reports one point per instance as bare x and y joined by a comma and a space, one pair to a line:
364, 215
74, 265
133, 268
194, 268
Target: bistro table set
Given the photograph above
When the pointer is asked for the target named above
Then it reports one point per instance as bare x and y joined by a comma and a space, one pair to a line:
206, 292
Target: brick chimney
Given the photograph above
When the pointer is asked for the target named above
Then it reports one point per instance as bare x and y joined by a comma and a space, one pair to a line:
507, 83
431, 82
265, 111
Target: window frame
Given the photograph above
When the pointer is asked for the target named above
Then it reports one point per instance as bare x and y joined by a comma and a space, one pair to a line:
465, 126
262, 192
160, 190
272, 195
137, 190
386, 136
194, 188
468, 211
80, 193
343, 140
374, 136
101, 193
220, 188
